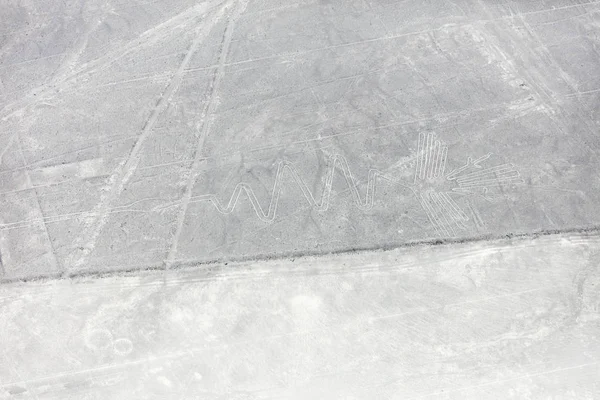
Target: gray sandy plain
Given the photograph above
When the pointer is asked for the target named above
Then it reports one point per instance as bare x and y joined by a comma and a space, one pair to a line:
317, 199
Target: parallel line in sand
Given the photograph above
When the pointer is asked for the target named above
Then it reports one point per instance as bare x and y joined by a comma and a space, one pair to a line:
437, 117
124, 173
401, 35
206, 121
107, 58
126, 49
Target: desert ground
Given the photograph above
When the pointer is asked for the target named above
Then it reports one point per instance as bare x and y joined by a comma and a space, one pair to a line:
303, 199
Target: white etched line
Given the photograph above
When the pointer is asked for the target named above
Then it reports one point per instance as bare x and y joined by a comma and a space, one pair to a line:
476, 217
502, 178
434, 161
443, 212
492, 182
461, 190
429, 216
493, 175
444, 155
438, 165
453, 211
452, 175
426, 151
481, 159
428, 212
453, 214
425, 148
436, 213
452, 222
438, 172
455, 206
499, 168
431, 153
418, 161
438, 155
432, 217
470, 164
423, 155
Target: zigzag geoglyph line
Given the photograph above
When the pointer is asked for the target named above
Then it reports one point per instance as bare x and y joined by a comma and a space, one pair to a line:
433, 189
288, 167
442, 210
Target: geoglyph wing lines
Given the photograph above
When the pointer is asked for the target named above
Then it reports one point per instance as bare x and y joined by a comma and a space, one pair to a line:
443, 212
436, 198
431, 159
484, 177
